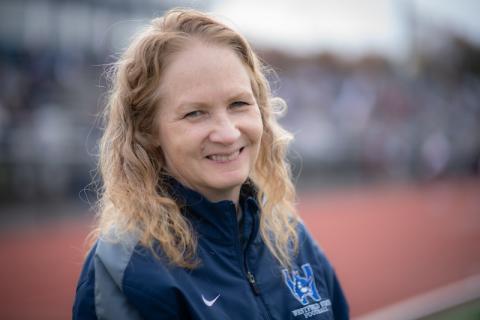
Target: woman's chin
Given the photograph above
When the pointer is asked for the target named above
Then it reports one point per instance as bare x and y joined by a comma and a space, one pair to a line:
223, 189
228, 184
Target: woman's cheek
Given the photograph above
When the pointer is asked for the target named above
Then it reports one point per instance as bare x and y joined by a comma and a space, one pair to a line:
255, 124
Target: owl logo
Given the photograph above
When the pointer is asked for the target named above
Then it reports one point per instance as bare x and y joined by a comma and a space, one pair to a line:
302, 287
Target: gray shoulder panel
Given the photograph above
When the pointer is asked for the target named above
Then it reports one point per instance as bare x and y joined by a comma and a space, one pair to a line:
111, 260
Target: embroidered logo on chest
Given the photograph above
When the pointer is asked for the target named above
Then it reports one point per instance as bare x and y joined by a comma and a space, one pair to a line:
302, 287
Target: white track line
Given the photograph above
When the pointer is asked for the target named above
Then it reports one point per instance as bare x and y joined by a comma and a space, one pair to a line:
433, 301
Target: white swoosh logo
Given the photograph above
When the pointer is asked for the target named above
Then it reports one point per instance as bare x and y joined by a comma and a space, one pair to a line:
209, 303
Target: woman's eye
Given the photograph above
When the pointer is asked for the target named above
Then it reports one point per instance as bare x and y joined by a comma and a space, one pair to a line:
237, 104
193, 114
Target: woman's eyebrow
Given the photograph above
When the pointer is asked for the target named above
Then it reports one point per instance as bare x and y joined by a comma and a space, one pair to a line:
188, 104
241, 95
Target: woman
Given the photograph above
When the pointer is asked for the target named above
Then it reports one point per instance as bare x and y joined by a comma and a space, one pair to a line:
196, 218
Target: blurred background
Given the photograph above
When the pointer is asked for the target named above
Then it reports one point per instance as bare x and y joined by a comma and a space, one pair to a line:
384, 103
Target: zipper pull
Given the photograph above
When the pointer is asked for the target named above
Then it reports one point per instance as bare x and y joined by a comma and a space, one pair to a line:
253, 284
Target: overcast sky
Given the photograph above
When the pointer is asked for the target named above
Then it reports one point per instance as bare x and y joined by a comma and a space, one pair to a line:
347, 27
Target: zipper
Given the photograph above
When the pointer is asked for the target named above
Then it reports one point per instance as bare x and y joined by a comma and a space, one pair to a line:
256, 291
255, 288
249, 275
253, 284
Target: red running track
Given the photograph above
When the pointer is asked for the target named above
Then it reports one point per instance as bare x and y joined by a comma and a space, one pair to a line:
386, 243
391, 243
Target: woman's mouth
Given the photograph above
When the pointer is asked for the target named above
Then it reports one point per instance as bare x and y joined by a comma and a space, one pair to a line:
225, 157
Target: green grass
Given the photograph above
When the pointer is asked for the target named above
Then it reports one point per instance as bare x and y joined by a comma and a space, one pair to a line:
466, 311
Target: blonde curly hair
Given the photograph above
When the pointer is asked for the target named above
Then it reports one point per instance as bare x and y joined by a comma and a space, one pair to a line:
134, 196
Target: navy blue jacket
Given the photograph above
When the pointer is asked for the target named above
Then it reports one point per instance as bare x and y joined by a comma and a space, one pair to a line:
238, 278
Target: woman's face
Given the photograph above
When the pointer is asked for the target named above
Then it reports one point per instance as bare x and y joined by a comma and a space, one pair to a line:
210, 125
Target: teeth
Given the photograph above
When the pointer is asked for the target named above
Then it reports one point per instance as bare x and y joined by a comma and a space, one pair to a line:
223, 158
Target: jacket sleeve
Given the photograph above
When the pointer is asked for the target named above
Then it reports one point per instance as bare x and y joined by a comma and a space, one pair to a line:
100, 291
84, 303
340, 306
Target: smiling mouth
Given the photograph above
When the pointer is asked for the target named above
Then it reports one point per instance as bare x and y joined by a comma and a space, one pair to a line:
225, 157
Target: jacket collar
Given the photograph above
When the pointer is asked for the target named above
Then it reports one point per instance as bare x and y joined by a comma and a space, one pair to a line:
216, 220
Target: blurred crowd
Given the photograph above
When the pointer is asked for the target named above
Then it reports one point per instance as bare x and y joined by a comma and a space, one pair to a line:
370, 118
53, 54
47, 113
353, 119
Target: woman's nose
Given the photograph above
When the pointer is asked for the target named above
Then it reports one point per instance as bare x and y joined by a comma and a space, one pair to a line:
225, 130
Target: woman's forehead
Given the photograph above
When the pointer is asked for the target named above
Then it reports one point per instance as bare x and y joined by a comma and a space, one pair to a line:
202, 72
